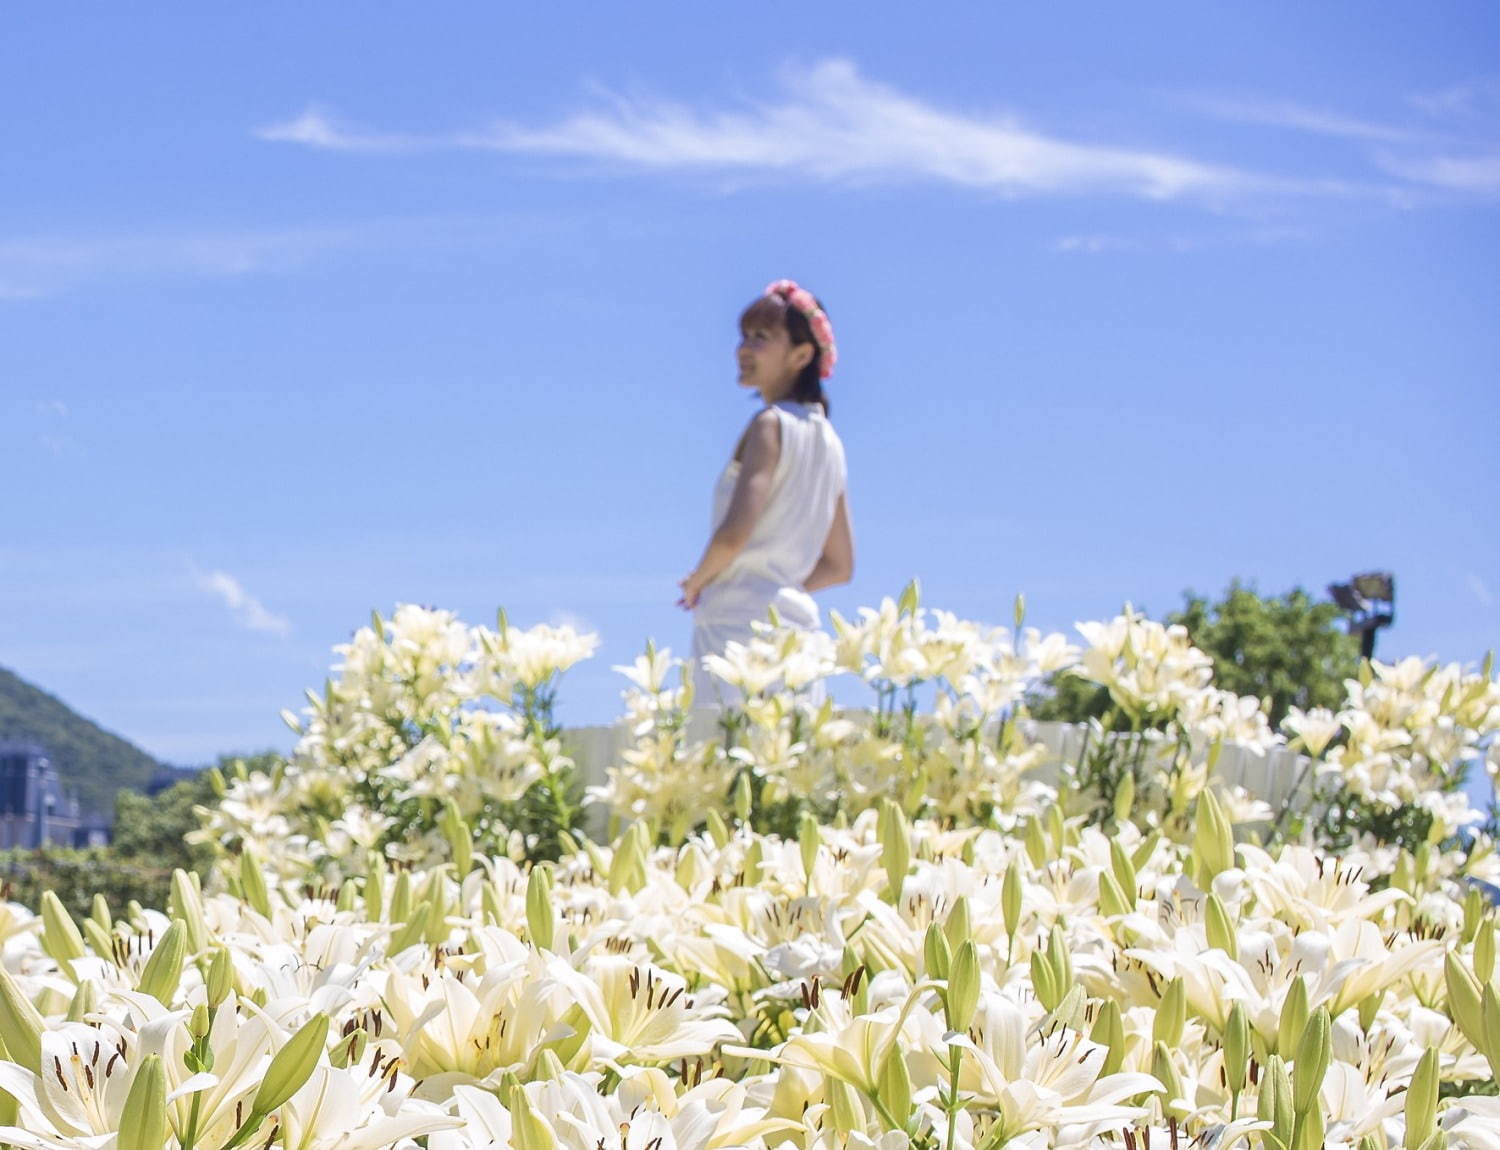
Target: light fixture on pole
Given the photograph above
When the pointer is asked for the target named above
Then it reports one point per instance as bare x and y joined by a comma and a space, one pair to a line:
1370, 601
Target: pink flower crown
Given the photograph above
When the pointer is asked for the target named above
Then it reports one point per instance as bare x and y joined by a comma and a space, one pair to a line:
802, 299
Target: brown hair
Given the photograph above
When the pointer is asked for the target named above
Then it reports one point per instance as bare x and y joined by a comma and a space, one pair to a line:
775, 311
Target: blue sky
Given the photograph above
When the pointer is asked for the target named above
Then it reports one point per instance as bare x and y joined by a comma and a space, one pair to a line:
313, 311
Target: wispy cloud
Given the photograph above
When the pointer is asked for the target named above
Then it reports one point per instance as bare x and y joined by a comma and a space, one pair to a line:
831, 123
1456, 173
1093, 245
1457, 101
250, 611
52, 407
1481, 590
38, 266
1298, 117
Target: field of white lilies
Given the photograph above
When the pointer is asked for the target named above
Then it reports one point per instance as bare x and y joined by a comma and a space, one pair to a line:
810, 927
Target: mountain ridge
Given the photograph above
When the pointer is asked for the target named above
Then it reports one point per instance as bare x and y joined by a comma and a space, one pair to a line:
93, 763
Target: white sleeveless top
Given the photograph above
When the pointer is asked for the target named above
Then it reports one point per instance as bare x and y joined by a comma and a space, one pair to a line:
788, 539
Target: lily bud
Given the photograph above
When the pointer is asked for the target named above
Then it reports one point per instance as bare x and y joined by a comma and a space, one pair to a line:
351, 1049
200, 1022
1464, 1003
528, 1131
489, 903
1164, 1072
1489, 1008
549, 1067
460, 837
1401, 876
401, 899
963, 987
1313, 1053
1036, 843
1236, 1048
1218, 927
1171, 1014
1124, 802
292, 1065
1484, 952
1109, 1031
718, 831
895, 1085
348, 898
253, 883
1369, 1007
808, 841
911, 598
220, 980
1275, 1103
163, 970
85, 1001
1144, 850
957, 928
1421, 1101
143, 1122
1010, 896
98, 937
1473, 913
743, 801
895, 847
935, 952
1213, 838
754, 858
844, 1107
435, 928
1044, 981
1293, 1018
375, 873
540, 919
99, 912
185, 903
1061, 962
1124, 870
60, 937
1112, 902
1052, 823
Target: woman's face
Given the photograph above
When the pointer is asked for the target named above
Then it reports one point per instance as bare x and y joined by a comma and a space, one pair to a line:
768, 359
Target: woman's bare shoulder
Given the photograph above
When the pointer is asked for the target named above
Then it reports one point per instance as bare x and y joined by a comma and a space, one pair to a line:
764, 427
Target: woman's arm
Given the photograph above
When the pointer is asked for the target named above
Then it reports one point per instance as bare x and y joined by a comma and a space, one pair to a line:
762, 449
836, 564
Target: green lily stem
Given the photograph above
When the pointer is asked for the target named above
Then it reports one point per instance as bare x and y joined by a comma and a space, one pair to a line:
956, 1056
1286, 805
191, 1137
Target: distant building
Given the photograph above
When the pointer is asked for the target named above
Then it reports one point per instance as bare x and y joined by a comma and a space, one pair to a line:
34, 809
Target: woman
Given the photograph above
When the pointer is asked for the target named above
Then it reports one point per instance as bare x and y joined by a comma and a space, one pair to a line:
780, 511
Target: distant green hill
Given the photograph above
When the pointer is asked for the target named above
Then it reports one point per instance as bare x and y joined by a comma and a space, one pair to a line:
93, 763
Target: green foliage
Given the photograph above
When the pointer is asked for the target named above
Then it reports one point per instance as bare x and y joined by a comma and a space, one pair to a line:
93, 763
1288, 648
149, 829
75, 876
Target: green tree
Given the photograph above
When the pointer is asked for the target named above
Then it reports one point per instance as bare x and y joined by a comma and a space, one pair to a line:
152, 829
1288, 649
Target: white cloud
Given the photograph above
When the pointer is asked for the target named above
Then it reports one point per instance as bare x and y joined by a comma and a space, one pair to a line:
44, 265
1473, 173
1481, 590
1092, 245
250, 611
833, 124
1319, 121
52, 407
1458, 100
